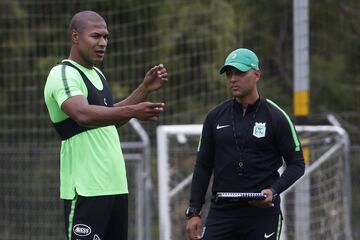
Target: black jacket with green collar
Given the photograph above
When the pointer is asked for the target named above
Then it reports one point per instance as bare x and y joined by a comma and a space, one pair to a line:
243, 149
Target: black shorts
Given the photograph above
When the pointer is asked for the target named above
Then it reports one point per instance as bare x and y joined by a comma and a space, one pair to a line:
245, 228
97, 218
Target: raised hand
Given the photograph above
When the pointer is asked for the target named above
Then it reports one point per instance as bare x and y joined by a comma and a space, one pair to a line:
155, 78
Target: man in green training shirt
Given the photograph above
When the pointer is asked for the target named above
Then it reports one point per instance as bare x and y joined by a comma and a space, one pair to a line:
93, 181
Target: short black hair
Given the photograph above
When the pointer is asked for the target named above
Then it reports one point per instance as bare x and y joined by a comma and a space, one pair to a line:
79, 20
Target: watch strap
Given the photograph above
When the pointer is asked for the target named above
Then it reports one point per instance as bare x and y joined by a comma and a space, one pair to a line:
192, 212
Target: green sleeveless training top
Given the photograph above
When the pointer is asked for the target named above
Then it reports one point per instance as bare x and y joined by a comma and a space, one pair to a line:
91, 162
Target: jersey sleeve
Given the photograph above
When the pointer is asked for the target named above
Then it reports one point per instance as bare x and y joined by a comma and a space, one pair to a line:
66, 82
290, 148
203, 166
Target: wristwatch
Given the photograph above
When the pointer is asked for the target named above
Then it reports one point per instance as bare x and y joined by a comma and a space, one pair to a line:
274, 195
192, 212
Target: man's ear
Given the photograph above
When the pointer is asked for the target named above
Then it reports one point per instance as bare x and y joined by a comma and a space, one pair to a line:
258, 74
74, 37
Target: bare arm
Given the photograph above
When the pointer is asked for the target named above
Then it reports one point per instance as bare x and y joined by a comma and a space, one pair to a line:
154, 79
137, 96
83, 113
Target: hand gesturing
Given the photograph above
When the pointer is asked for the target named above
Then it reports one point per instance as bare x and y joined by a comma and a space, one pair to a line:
155, 78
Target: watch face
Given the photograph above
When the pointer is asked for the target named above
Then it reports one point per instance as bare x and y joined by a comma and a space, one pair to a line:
190, 211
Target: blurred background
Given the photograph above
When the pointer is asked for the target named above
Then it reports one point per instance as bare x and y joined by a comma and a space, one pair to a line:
192, 39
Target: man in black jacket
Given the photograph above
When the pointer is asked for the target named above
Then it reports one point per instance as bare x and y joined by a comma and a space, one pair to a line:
243, 144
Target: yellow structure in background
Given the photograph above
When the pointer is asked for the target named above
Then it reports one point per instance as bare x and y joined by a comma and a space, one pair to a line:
301, 103
301, 110
305, 149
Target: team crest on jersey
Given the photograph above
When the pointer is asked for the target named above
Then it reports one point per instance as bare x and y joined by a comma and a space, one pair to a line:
259, 129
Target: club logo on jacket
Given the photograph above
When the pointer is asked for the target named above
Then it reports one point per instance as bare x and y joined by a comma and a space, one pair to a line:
259, 129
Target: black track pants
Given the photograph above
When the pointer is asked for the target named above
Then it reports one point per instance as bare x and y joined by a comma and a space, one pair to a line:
244, 228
